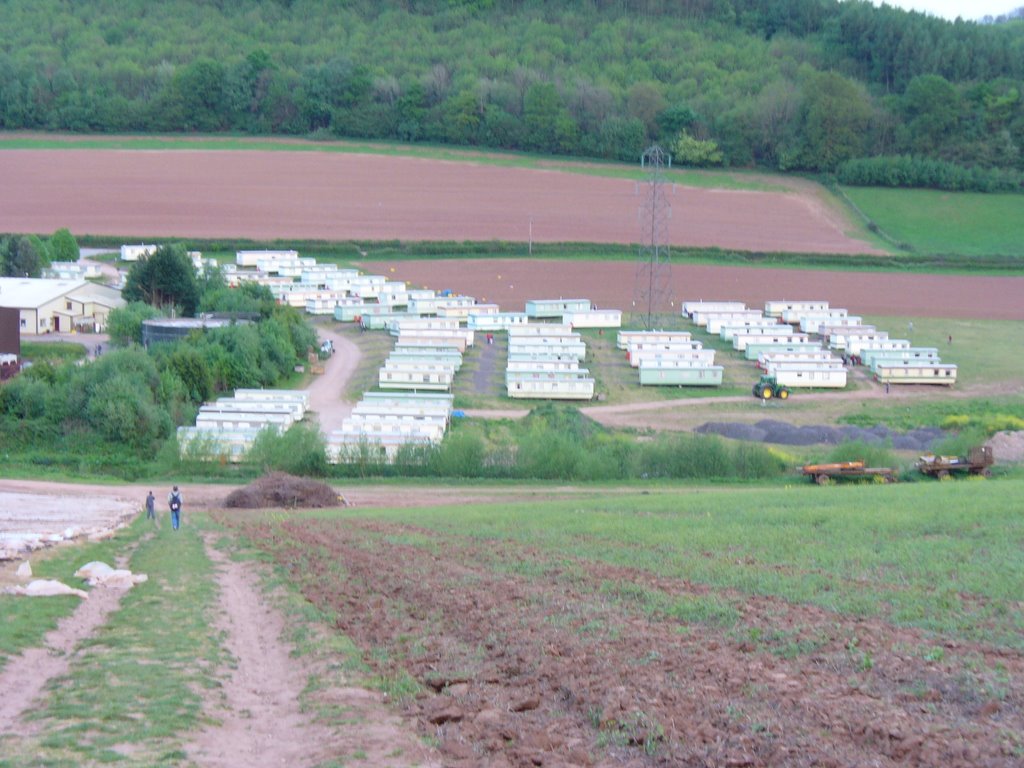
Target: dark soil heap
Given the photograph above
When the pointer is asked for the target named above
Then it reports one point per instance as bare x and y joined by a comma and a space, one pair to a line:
279, 489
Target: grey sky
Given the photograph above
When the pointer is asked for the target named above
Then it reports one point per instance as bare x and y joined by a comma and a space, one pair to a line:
950, 9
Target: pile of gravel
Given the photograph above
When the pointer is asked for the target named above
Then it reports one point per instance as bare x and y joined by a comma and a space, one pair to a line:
279, 489
783, 433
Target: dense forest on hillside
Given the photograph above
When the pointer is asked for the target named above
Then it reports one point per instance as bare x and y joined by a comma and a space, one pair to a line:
788, 84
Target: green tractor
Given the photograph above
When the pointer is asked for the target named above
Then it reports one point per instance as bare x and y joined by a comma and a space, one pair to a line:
768, 387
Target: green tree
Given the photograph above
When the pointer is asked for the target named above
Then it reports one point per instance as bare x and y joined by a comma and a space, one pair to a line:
836, 115
166, 279
27, 257
63, 246
931, 107
125, 324
686, 150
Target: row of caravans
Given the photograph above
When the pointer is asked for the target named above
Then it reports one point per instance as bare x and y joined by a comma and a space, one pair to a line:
892, 361
670, 358
544, 361
226, 429
771, 339
414, 407
382, 423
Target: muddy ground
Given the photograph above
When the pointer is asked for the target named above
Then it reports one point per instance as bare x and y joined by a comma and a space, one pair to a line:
335, 196
526, 660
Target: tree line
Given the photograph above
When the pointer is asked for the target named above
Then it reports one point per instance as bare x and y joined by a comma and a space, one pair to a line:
29, 255
784, 84
118, 411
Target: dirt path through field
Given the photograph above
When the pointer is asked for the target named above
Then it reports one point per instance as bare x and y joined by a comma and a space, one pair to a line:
24, 678
326, 391
262, 721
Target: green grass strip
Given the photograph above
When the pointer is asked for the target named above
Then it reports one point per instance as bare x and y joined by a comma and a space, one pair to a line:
136, 690
24, 622
944, 557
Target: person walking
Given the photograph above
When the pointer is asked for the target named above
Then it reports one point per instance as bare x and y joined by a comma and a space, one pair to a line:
151, 507
174, 501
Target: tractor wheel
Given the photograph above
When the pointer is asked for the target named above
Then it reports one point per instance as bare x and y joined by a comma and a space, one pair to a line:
757, 390
822, 479
767, 393
942, 474
783, 394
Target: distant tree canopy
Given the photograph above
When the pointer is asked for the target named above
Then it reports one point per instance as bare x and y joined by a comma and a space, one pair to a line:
780, 83
23, 256
166, 279
63, 246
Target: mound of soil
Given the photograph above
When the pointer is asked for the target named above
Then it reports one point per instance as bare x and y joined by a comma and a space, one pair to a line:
1008, 447
279, 489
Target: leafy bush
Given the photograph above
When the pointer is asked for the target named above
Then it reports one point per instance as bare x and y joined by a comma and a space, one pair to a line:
301, 450
872, 454
908, 171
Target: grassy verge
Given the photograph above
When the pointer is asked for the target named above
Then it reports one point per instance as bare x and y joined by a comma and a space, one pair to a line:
136, 688
935, 222
942, 557
54, 352
23, 621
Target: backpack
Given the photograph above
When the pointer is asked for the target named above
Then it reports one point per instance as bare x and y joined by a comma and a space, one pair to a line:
175, 502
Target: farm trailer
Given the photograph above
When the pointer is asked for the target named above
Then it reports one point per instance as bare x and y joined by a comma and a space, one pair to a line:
823, 474
978, 461
678, 373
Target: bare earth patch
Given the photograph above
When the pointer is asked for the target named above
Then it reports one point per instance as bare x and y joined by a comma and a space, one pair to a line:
24, 677
334, 196
261, 721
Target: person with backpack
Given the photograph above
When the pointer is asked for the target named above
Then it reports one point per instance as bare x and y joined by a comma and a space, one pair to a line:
174, 501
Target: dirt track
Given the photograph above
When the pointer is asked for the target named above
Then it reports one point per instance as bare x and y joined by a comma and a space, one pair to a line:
334, 196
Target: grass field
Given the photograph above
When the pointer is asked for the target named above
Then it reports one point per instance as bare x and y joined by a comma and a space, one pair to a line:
935, 222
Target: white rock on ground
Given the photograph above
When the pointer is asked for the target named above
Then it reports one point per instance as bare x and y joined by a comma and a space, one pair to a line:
46, 588
24, 570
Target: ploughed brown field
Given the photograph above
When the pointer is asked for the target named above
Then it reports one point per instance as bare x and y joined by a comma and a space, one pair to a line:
610, 285
336, 196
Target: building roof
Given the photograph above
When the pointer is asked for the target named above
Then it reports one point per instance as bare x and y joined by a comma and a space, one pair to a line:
33, 293
98, 294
